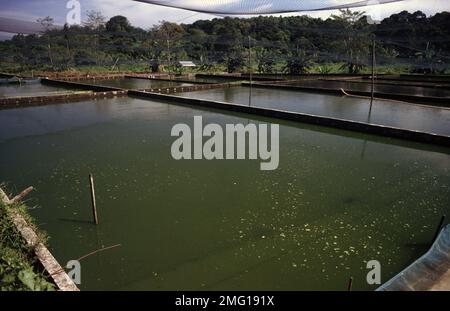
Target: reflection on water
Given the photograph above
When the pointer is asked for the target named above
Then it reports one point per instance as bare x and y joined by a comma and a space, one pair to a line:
213, 225
409, 116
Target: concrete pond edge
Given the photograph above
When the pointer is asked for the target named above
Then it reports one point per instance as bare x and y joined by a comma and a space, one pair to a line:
47, 260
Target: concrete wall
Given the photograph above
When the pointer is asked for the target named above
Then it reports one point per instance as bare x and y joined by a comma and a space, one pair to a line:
422, 137
430, 272
79, 86
433, 101
30, 101
48, 262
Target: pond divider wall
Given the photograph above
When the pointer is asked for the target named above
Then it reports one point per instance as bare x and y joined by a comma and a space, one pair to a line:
80, 86
7, 75
88, 77
426, 100
394, 77
181, 89
91, 92
430, 272
47, 260
416, 136
281, 76
30, 101
78, 76
382, 81
421, 78
176, 80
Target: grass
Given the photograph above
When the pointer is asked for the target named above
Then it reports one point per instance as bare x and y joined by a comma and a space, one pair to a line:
19, 267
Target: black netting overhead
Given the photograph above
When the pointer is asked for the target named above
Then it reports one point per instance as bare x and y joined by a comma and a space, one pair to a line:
255, 7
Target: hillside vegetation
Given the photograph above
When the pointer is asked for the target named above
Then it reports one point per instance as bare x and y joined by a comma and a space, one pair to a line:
405, 42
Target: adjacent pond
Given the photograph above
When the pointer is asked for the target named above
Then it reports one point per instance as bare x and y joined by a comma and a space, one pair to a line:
409, 116
397, 88
338, 200
29, 89
134, 83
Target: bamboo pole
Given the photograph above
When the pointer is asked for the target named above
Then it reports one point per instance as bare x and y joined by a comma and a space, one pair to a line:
94, 204
22, 195
350, 284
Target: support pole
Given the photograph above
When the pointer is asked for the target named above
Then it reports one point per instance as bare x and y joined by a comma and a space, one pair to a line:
250, 69
372, 96
94, 204
373, 70
169, 60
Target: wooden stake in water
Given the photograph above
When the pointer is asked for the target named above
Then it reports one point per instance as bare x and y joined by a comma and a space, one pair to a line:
350, 284
94, 204
22, 195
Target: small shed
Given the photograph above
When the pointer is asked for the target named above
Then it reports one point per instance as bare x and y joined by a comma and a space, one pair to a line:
187, 63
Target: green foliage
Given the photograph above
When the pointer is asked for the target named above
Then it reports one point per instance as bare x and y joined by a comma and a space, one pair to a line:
235, 60
412, 40
118, 24
266, 59
299, 63
18, 275
17, 260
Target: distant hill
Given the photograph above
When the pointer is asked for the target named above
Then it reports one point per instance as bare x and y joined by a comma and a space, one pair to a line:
292, 44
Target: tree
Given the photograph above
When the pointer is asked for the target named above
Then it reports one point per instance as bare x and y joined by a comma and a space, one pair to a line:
355, 39
118, 24
94, 20
197, 45
234, 60
169, 35
120, 32
429, 61
228, 43
299, 62
266, 60
46, 23
405, 38
301, 57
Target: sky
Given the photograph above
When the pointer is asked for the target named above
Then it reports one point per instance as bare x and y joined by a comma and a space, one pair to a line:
146, 15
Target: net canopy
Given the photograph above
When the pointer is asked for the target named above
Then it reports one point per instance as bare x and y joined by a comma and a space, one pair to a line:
255, 7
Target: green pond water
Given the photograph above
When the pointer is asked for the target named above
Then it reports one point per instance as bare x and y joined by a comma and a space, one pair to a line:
409, 116
338, 200
134, 83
